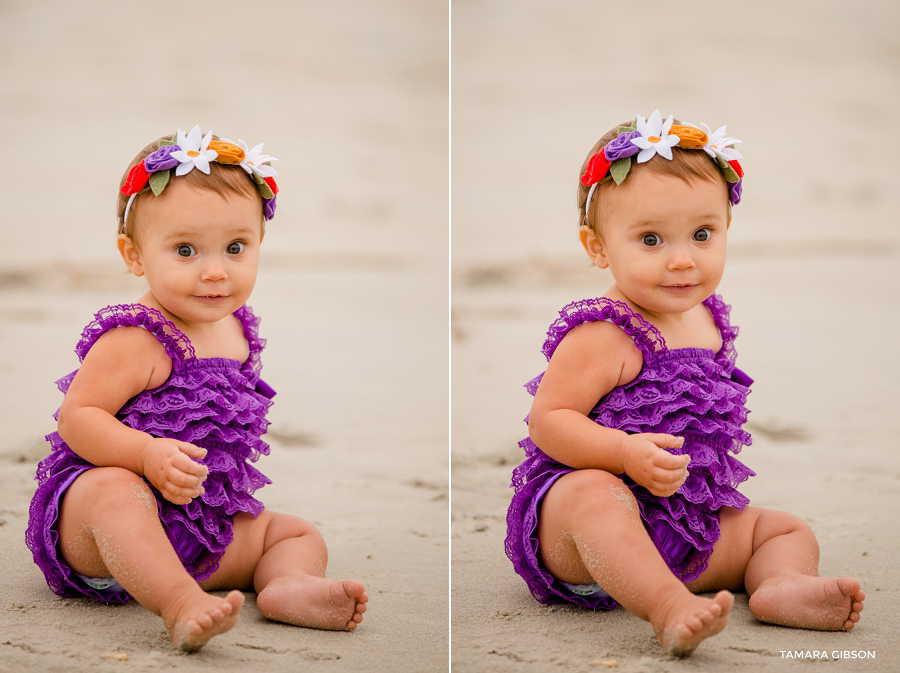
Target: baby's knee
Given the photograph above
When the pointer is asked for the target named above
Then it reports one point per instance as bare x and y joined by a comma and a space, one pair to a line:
287, 526
594, 488
107, 488
773, 523
103, 483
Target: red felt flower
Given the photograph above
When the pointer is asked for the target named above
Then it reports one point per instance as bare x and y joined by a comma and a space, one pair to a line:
137, 179
737, 167
271, 182
596, 170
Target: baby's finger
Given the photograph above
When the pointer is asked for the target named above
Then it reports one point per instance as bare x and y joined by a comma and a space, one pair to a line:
669, 461
184, 463
184, 480
180, 496
663, 490
192, 450
664, 441
670, 479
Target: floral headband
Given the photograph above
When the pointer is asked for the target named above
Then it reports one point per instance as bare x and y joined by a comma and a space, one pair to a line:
184, 153
649, 137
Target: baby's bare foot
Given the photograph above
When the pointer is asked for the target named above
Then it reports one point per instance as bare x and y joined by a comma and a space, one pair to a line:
202, 616
316, 602
804, 602
691, 620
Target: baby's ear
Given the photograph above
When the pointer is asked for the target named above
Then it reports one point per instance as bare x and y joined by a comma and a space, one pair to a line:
593, 246
131, 255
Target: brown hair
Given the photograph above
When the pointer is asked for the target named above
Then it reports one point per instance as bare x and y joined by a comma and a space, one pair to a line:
223, 179
685, 164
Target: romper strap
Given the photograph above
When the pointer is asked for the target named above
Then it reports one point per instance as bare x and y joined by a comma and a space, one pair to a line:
646, 337
721, 313
250, 322
177, 345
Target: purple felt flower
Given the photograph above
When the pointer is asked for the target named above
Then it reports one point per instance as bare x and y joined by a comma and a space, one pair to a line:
269, 208
161, 159
621, 146
734, 191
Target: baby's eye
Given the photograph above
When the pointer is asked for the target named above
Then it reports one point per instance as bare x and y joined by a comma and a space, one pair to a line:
650, 240
185, 250
702, 235
235, 248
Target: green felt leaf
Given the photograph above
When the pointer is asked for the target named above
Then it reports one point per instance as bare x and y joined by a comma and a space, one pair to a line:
163, 143
619, 168
631, 127
727, 171
265, 191
158, 181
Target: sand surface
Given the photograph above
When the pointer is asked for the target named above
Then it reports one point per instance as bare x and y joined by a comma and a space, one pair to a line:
810, 88
352, 97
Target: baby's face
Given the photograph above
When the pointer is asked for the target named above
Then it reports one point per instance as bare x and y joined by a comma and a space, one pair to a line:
199, 251
664, 240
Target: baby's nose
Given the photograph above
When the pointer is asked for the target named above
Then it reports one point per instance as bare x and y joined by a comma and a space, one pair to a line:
681, 260
214, 271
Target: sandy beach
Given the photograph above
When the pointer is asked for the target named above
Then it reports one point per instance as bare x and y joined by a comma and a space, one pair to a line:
351, 96
813, 255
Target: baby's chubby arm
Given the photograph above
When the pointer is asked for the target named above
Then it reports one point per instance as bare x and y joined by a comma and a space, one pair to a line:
590, 361
122, 363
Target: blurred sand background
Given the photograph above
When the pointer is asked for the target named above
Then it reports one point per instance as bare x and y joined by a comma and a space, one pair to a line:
351, 95
812, 88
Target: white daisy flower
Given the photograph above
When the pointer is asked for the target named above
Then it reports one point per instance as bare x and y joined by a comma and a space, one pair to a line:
194, 152
255, 160
655, 137
718, 143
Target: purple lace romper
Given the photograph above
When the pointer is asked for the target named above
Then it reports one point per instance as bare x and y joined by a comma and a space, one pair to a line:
689, 392
216, 403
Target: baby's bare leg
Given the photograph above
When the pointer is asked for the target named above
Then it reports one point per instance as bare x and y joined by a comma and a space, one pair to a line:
284, 558
590, 531
783, 583
776, 557
109, 526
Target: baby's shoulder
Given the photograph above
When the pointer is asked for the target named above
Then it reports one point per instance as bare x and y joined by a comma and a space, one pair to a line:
600, 331
130, 348
602, 344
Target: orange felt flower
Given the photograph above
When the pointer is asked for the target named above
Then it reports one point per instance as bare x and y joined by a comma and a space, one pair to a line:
691, 138
228, 153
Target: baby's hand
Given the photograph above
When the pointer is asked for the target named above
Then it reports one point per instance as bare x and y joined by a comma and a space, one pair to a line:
168, 466
649, 464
